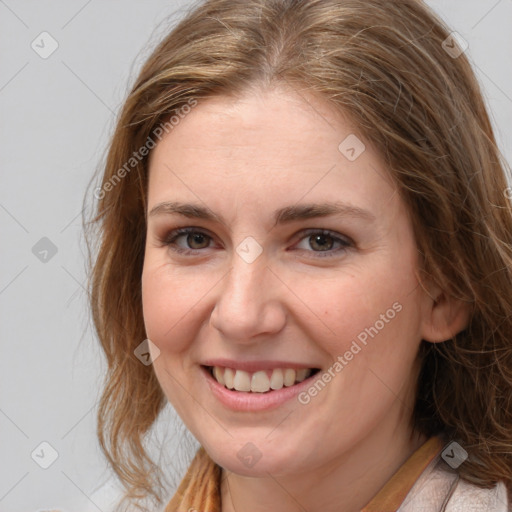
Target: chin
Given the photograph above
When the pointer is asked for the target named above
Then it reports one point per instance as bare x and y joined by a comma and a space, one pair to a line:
248, 459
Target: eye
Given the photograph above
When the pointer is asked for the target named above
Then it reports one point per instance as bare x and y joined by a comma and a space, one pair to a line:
323, 241
185, 240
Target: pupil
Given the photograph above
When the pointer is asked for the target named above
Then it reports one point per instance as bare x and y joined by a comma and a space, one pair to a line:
322, 242
195, 238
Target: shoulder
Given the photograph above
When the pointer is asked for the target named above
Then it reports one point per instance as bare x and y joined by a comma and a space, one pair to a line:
440, 488
467, 496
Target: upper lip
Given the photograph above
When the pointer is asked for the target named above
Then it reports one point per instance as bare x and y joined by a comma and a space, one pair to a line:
254, 366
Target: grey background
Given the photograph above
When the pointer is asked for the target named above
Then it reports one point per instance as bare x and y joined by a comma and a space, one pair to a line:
56, 118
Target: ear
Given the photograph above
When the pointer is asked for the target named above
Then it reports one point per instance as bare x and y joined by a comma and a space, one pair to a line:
443, 316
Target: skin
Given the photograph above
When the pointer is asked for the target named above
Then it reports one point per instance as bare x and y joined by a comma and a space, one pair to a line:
243, 158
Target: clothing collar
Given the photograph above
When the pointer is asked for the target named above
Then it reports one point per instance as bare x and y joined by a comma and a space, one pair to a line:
392, 495
200, 488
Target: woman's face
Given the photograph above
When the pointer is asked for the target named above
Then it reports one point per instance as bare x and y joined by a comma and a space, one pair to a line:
299, 265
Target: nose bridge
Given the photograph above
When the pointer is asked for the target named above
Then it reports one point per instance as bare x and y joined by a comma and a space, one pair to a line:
247, 304
244, 286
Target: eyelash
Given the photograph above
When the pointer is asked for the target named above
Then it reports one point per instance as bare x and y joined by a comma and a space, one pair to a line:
346, 243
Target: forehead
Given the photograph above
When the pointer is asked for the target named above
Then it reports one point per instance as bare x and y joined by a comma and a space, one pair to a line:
266, 122
267, 146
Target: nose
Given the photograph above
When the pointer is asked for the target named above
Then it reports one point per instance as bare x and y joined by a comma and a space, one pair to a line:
249, 304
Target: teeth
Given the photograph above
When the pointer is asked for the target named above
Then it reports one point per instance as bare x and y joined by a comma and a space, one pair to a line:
242, 381
229, 377
276, 381
289, 377
302, 374
218, 374
261, 381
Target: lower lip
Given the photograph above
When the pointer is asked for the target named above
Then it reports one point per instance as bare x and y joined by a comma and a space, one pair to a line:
246, 401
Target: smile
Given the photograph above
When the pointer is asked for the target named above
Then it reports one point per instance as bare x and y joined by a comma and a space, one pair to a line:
263, 381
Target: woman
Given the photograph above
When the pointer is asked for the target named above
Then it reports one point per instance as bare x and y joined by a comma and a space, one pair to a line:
304, 227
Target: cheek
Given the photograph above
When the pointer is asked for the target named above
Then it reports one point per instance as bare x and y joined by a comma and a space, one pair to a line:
374, 303
170, 306
372, 340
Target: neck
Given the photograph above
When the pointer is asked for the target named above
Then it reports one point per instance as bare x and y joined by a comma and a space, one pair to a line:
345, 483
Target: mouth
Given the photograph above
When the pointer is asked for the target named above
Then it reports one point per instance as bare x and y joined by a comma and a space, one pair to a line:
262, 381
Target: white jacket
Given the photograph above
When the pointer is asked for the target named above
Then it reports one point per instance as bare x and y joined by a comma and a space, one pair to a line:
439, 489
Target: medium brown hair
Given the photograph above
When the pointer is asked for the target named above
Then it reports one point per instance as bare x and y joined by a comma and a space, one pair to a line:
383, 64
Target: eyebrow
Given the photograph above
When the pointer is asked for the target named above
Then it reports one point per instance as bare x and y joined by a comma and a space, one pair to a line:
281, 216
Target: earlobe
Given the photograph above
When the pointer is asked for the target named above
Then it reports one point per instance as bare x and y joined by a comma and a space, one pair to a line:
444, 317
